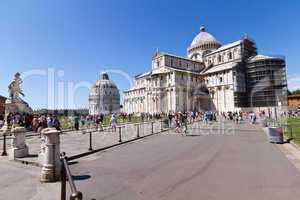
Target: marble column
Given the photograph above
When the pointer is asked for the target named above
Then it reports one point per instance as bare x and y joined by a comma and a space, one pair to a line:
19, 147
49, 155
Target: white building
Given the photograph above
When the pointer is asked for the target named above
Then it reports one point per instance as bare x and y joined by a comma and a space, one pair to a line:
212, 77
104, 97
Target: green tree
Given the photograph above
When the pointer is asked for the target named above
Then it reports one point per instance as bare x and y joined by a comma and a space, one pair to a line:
296, 91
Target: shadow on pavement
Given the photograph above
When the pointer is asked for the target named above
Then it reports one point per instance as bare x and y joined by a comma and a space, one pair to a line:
81, 177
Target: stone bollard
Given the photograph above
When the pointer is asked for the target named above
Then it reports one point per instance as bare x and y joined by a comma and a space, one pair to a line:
49, 155
19, 149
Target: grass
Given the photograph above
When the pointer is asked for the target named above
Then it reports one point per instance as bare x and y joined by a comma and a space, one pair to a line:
293, 129
66, 123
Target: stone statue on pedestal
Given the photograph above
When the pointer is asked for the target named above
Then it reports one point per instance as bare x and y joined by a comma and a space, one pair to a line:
14, 104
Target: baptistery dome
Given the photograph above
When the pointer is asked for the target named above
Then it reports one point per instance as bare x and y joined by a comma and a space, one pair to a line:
202, 44
104, 96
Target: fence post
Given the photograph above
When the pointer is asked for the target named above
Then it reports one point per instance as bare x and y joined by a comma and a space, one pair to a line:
75, 194
4, 153
120, 134
138, 131
90, 146
63, 179
152, 127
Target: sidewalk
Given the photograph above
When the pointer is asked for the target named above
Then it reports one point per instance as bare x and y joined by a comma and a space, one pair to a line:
18, 181
22, 181
292, 153
77, 142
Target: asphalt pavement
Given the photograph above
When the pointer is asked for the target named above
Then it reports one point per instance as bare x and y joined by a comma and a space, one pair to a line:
238, 163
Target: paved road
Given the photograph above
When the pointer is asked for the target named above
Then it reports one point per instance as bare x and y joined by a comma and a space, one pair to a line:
242, 165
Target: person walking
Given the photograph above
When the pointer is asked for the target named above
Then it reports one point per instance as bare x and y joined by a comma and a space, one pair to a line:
113, 123
170, 117
184, 122
205, 117
177, 123
56, 123
76, 123
101, 118
49, 122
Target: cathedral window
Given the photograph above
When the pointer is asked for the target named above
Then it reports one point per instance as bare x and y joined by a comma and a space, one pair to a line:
157, 64
229, 55
171, 62
221, 79
219, 58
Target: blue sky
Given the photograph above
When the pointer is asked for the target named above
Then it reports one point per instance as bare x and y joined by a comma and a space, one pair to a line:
76, 39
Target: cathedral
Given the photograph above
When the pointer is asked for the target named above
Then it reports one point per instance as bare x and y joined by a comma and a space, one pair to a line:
212, 77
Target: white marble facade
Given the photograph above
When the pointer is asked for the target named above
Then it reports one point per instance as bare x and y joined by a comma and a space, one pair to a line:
104, 97
211, 77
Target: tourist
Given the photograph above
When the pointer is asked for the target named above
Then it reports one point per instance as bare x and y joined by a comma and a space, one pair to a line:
193, 116
170, 117
240, 117
177, 123
49, 122
252, 118
129, 117
236, 118
17, 118
113, 123
184, 122
56, 123
35, 124
142, 117
215, 116
100, 118
28, 119
76, 123
205, 119
82, 120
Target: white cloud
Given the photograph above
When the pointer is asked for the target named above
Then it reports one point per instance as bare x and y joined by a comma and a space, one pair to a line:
293, 82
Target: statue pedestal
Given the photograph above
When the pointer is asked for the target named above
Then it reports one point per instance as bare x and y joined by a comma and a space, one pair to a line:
16, 105
49, 155
19, 148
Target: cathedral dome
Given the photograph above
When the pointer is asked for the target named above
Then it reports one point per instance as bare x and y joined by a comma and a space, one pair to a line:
203, 38
202, 44
104, 81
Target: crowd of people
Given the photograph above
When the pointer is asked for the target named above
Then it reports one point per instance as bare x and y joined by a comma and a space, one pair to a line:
31, 122
179, 120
